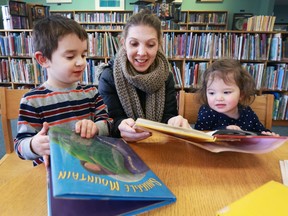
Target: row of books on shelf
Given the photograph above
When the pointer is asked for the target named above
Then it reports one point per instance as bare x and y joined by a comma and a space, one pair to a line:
273, 77
22, 71
22, 15
16, 44
203, 18
100, 44
103, 44
280, 110
102, 27
261, 23
91, 73
202, 27
14, 15
167, 10
244, 46
102, 17
16, 22
25, 71
184, 45
192, 74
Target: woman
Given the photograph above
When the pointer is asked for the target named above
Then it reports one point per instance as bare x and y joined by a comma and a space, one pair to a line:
137, 83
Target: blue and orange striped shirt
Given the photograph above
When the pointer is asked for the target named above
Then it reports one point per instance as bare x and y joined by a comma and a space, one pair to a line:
57, 106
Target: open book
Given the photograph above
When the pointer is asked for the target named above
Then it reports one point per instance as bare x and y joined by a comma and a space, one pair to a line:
219, 140
100, 176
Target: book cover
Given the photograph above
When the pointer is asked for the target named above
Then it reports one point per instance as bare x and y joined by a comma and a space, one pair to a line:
102, 176
218, 140
269, 199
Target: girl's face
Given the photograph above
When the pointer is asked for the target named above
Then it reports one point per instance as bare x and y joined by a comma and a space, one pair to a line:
141, 45
223, 97
67, 62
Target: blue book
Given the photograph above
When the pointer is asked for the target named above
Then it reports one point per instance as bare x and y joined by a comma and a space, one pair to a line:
100, 176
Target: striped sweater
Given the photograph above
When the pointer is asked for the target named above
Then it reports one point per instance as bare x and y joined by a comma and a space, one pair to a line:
57, 106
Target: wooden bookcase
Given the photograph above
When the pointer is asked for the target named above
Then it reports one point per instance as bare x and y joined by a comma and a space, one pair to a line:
18, 14
189, 51
204, 20
98, 19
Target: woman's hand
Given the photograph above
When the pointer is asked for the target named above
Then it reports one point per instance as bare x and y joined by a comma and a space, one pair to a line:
179, 121
130, 132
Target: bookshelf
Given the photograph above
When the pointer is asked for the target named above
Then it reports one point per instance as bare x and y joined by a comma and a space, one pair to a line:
18, 68
21, 15
98, 19
189, 51
18, 15
203, 20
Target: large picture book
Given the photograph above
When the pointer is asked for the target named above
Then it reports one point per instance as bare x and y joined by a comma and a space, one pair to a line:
218, 140
100, 176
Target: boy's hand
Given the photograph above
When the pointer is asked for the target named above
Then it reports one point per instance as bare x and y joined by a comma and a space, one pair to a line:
40, 142
86, 128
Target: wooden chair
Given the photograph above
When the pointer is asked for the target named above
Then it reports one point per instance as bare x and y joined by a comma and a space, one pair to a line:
189, 106
262, 106
10, 101
11, 166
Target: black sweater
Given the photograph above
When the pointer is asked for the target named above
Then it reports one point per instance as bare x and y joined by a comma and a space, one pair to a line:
109, 94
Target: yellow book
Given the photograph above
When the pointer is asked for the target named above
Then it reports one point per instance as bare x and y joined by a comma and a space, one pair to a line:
218, 140
268, 200
184, 133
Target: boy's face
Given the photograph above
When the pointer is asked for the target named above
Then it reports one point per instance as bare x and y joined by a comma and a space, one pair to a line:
68, 62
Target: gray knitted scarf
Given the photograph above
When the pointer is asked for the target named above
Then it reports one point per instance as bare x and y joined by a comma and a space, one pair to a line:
127, 79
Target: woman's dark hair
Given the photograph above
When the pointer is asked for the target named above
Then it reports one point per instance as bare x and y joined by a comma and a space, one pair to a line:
144, 17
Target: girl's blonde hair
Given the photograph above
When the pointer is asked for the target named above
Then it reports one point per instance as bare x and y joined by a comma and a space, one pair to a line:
223, 69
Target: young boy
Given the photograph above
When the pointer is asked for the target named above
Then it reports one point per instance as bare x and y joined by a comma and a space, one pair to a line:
60, 46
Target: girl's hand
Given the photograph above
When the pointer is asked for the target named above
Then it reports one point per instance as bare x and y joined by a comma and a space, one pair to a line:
269, 133
233, 127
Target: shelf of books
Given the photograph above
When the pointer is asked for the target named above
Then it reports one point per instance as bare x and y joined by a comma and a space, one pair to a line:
98, 19
204, 20
263, 54
18, 68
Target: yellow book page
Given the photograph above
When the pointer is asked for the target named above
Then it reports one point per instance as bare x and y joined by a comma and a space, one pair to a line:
185, 133
271, 199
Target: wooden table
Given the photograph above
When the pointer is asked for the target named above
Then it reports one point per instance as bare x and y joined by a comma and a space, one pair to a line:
203, 182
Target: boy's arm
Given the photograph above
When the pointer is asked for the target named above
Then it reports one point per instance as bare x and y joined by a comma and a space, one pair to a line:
25, 132
102, 120
109, 94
